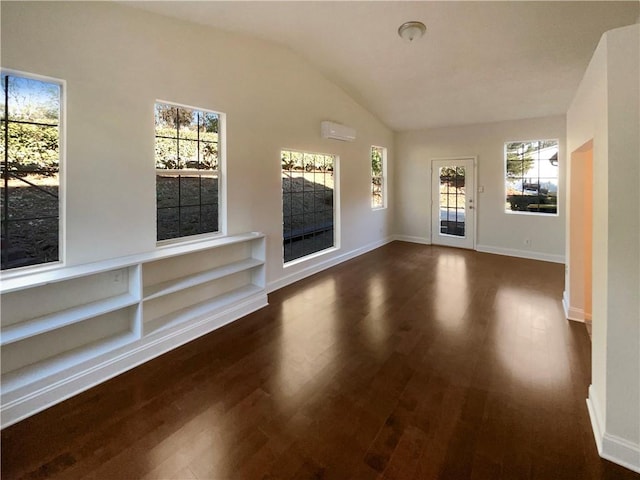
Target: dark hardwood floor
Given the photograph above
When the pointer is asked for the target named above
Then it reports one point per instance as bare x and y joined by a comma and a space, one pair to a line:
409, 362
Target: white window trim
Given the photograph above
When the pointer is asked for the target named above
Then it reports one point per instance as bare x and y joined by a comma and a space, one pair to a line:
504, 179
336, 210
62, 180
384, 178
222, 179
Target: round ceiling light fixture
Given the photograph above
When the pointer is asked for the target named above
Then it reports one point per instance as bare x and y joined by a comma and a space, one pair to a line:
410, 31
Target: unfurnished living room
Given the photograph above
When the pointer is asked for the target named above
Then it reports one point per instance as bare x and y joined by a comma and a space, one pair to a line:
320, 240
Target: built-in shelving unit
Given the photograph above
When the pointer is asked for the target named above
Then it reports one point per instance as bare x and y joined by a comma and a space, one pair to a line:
64, 330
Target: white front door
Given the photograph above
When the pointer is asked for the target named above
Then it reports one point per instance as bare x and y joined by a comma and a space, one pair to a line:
453, 202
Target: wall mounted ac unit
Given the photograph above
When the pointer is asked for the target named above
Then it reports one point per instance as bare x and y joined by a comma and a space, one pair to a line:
336, 131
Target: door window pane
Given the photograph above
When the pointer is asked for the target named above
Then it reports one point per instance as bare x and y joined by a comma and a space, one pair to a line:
452, 201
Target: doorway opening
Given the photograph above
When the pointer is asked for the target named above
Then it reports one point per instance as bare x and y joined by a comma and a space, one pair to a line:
581, 234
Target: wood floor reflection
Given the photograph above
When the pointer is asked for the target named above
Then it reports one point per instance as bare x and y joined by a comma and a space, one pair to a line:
409, 362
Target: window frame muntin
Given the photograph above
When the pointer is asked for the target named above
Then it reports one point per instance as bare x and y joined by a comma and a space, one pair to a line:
221, 173
62, 177
504, 177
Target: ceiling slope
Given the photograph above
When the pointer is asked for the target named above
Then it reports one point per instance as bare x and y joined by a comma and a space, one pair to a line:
478, 62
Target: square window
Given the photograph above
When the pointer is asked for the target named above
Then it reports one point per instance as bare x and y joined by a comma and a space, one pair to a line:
167, 191
168, 223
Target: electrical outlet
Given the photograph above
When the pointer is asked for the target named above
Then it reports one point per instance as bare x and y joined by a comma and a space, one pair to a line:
117, 277
527, 242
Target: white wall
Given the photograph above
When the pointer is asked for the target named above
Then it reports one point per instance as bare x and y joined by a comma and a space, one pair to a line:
117, 61
497, 231
606, 108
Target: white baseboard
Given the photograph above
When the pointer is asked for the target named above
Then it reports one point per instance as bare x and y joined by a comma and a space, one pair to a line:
572, 313
545, 257
611, 447
576, 314
511, 252
409, 238
621, 451
35, 397
597, 423
323, 265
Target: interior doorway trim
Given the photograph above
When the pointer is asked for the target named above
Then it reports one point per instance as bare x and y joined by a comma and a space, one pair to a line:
577, 297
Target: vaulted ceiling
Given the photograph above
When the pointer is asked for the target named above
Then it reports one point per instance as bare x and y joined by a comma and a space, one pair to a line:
478, 62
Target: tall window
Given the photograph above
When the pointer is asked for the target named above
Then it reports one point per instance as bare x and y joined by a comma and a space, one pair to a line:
30, 122
308, 184
532, 177
378, 177
187, 171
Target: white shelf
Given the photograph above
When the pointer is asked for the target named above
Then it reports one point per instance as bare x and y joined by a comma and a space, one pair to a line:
65, 337
200, 309
14, 281
175, 285
39, 370
21, 330
183, 248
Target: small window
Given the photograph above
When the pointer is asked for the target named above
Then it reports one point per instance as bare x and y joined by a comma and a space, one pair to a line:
532, 177
308, 195
378, 177
187, 171
30, 190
